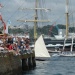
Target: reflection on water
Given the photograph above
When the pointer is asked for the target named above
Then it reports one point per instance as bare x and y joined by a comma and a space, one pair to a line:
55, 66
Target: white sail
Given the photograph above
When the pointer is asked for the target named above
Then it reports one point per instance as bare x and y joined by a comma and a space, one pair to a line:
40, 48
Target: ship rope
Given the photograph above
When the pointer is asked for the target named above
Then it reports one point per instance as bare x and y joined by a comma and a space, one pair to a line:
53, 24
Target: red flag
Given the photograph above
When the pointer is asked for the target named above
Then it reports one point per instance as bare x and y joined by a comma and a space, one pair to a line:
1, 5
4, 26
0, 17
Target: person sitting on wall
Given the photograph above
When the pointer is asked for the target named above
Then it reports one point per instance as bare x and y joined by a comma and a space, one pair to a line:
15, 48
10, 39
10, 46
1, 45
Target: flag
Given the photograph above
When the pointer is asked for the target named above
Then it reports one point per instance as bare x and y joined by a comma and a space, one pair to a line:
4, 25
1, 18
1, 5
6, 30
9, 22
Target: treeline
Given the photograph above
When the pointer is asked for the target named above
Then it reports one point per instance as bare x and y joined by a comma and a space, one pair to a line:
46, 30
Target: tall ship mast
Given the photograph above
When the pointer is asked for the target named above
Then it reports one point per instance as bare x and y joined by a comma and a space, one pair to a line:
35, 18
67, 18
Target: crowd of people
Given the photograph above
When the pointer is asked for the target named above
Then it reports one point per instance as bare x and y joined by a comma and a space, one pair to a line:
17, 45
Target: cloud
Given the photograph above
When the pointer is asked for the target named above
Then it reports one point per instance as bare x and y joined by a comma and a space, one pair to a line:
11, 12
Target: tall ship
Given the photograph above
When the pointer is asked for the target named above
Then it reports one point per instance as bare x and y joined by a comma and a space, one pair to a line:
60, 41
51, 42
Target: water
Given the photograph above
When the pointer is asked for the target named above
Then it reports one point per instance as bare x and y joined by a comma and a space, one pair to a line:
55, 66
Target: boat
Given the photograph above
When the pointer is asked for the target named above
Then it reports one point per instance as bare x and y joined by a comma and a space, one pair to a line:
67, 55
59, 36
41, 52
39, 45
54, 51
70, 53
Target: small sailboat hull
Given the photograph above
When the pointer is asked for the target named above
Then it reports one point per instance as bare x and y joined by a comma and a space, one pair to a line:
53, 51
67, 55
42, 58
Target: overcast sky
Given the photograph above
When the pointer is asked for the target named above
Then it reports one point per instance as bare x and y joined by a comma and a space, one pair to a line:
12, 10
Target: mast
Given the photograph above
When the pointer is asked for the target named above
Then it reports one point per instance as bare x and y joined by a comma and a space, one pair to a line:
72, 43
67, 24
35, 18
35, 23
67, 18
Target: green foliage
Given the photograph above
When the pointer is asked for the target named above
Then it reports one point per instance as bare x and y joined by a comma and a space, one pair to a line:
43, 30
60, 26
16, 31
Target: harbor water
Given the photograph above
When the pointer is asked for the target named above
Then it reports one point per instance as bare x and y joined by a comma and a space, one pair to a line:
54, 66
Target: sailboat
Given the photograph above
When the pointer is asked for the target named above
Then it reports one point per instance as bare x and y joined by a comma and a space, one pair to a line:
41, 52
70, 53
39, 46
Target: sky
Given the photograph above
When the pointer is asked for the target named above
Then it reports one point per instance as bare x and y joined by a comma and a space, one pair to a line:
12, 11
